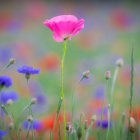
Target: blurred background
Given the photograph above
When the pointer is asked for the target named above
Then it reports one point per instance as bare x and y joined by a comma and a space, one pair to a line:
110, 29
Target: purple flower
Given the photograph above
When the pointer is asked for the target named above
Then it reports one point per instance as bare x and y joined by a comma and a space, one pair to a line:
37, 125
2, 133
10, 95
28, 70
5, 81
104, 124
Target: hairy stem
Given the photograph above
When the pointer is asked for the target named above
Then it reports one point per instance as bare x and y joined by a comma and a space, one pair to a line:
62, 64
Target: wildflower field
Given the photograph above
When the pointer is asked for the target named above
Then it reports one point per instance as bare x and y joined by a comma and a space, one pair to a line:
69, 70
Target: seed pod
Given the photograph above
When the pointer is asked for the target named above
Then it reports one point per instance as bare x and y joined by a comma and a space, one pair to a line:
68, 126
10, 102
120, 62
33, 101
30, 118
86, 74
132, 125
107, 75
94, 118
27, 76
11, 125
79, 132
12, 60
86, 124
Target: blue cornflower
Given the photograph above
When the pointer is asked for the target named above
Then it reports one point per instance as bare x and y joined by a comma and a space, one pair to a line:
9, 95
5, 81
2, 133
104, 124
28, 71
37, 125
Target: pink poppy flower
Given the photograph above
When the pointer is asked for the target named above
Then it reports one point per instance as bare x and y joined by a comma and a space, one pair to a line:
64, 27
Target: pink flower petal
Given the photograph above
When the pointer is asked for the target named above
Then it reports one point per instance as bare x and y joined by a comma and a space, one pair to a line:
64, 26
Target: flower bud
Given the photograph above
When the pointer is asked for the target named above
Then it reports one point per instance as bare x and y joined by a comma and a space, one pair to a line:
4, 109
107, 75
120, 62
79, 132
86, 74
132, 125
30, 118
27, 76
33, 101
2, 106
94, 118
10, 102
12, 60
68, 127
11, 125
86, 124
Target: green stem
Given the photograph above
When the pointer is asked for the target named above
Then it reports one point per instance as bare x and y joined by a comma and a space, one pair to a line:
59, 131
56, 118
16, 133
6, 67
30, 110
28, 96
112, 98
108, 117
122, 125
32, 130
89, 128
50, 135
131, 89
113, 86
28, 132
62, 64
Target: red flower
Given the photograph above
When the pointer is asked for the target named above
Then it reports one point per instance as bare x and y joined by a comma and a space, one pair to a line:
48, 122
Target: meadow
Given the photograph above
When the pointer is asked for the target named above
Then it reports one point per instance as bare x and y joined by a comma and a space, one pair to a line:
69, 71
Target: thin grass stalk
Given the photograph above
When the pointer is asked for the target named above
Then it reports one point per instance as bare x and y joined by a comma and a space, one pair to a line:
32, 130
6, 67
89, 128
113, 86
108, 118
59, 131
131, 89
7, 113
62, 64
112, 99
50, 135
19, 134
57, 114
16, 132
83, 127
28, 132
122, 125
